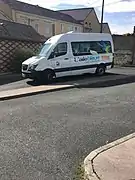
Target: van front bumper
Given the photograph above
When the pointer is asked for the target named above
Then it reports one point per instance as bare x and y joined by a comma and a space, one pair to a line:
27, 75
32, 75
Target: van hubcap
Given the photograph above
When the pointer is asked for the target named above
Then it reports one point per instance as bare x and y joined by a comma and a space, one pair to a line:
101, 70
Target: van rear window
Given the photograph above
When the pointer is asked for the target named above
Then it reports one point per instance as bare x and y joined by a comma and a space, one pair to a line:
91, 47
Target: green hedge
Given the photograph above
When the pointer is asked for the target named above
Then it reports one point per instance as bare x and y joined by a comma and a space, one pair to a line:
20, 56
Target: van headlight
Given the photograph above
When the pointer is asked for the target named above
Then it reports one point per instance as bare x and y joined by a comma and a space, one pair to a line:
32, 67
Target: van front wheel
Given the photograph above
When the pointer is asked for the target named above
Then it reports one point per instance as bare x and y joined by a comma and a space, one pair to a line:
49, 76
100, 71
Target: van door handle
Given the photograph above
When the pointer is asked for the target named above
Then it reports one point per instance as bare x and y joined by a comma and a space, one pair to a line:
66, 58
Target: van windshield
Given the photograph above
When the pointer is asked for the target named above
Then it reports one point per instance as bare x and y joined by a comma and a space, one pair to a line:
45, 49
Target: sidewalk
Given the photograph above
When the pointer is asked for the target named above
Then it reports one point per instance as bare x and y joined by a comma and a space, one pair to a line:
115, 161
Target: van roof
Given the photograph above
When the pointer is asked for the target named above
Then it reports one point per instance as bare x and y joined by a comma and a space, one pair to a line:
74, 36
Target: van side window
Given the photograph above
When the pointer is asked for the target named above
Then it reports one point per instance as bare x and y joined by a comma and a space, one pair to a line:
101, 47
60, 49
81, 48
92, 47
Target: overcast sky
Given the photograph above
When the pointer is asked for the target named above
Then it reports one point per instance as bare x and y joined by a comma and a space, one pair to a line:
120, 14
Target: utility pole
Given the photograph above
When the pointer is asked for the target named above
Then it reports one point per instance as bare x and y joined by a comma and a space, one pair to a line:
133, 50
102, 16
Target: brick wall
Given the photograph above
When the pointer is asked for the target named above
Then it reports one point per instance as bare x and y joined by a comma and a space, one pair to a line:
8, 47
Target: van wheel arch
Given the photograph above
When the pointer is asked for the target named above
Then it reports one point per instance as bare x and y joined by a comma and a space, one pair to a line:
48, 75
50, 70
101, 68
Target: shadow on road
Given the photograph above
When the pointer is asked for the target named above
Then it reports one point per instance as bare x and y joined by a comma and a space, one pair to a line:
70, 79
10, 78
109, 83
82, 81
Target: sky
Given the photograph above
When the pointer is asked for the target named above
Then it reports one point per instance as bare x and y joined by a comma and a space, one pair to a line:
120, 14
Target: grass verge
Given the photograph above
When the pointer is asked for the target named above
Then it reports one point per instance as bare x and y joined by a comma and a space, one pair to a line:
79, 173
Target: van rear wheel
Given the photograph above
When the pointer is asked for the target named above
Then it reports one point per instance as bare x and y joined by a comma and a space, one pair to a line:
100, 71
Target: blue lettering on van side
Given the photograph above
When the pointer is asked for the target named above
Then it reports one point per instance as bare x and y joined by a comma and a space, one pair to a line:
94, 58
87, 58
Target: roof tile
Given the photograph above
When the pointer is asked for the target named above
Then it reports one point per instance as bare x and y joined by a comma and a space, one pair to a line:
17, 31
79, 14
35, 9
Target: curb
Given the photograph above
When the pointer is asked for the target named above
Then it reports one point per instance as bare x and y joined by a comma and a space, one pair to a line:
100, 83
34, 93
5, 75
90, 173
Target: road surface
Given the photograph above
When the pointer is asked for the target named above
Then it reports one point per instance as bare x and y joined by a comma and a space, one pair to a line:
16, 82
46, 136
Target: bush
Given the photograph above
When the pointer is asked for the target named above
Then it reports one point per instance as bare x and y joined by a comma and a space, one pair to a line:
20, 56
128, 34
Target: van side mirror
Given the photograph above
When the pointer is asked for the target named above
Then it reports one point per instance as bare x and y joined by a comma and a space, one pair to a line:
52, 55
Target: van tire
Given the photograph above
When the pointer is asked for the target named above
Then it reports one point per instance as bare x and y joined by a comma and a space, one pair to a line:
100, 71
48, 76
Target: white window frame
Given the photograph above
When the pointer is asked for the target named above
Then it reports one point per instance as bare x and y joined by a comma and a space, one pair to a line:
62, 27
36, 27
47, 29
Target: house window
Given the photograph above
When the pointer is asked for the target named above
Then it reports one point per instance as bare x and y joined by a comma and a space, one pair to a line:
90, 47
70, 28
81, 29
36, 27
47, 29
53, 29
62, 28
75, 28
28, 21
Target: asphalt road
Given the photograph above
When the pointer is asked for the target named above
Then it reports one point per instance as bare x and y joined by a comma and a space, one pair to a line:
15, 81
44, 137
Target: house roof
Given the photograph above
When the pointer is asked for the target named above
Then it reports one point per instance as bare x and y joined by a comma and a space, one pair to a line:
35, 9
17, 31
106, 26
79, 14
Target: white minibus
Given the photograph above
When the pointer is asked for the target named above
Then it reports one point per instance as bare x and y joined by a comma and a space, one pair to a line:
71, 54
